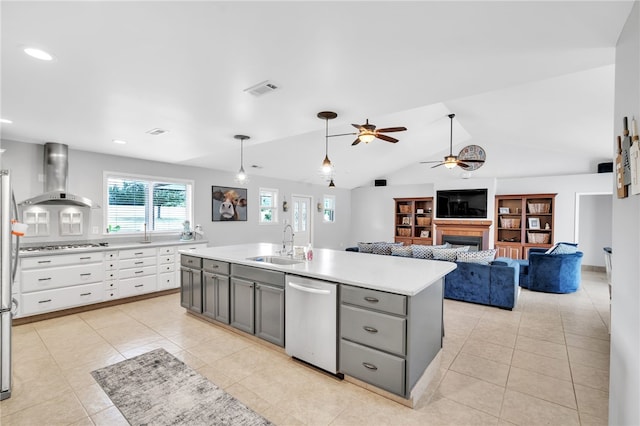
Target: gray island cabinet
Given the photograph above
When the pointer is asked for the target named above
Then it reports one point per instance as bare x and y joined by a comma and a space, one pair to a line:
389, 318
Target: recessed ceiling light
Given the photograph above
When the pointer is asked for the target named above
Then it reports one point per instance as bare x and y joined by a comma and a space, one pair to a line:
119, 141
5, 121
2, 150
157, 131
38, 54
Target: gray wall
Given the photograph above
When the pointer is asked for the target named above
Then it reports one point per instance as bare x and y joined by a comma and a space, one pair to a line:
624, 381
86, 178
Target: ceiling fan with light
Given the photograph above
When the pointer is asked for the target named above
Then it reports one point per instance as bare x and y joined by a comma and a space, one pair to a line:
470, 157
368, 132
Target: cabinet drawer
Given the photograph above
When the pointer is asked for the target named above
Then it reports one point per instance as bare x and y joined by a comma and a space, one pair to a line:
111, 275
137, 272
61, 260
63, 276
134, 253
137, 263
166, 250
111, 265
373, 299
374, 329
110, 285
111, 255
216, 266
167, 267
258, 274
111, 294
167, 258
191, 261
377, 368
135, 286
166, 281
61, 298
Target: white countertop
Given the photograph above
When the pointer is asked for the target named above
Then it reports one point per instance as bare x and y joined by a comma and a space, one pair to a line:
393, 274
110, 247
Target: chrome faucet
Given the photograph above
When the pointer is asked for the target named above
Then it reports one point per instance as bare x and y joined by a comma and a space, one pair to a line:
284, 241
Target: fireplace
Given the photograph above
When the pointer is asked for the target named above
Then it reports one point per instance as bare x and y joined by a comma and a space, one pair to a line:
474, 233
474, 243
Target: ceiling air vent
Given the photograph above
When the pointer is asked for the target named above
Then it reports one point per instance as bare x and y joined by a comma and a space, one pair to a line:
157, 131
261, 88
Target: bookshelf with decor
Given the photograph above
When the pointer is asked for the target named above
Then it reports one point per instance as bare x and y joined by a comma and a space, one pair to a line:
523, 221
414, 220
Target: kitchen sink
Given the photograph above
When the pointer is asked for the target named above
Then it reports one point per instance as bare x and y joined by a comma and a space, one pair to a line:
276, 260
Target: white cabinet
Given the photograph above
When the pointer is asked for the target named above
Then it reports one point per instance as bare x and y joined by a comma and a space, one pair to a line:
49, 283
137, 271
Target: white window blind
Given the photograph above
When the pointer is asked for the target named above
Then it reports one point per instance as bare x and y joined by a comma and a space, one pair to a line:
134, 201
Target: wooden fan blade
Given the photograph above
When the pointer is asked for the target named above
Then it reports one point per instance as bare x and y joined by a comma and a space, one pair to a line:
437, 165
356, 142
473, 161
428, 162
386, 138
357, 126
392, 129
464, 166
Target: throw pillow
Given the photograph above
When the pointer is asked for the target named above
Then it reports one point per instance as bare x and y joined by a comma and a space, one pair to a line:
402, 251
365, 247
563, 248
383, 248
448, 254
483, 257
420, 251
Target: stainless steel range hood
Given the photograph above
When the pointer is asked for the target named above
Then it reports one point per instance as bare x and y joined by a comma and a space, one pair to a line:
56, 168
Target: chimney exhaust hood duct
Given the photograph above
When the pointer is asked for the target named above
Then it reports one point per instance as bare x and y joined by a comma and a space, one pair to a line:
56, 169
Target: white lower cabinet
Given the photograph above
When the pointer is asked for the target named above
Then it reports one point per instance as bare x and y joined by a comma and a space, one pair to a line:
61, 298
60, 281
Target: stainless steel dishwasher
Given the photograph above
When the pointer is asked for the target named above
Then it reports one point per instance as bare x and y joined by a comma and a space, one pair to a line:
311, 321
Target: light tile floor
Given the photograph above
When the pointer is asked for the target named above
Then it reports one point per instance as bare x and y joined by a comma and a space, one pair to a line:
545, 362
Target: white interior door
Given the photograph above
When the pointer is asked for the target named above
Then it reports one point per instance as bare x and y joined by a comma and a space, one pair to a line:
301, 218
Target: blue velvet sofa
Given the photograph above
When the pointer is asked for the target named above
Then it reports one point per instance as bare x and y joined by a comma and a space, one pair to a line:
495, 284
552, 273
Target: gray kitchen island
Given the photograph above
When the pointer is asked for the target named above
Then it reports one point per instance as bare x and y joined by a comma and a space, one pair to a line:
383, 326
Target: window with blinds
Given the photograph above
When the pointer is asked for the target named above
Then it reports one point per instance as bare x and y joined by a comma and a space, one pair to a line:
268, 205
133, 201
329, 210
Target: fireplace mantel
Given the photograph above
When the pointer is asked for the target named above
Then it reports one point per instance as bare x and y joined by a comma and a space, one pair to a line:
473, 228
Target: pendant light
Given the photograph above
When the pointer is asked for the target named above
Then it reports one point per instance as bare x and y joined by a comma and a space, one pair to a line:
327, 167
241, 177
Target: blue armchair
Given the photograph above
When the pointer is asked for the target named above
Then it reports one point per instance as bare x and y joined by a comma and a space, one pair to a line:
554, 273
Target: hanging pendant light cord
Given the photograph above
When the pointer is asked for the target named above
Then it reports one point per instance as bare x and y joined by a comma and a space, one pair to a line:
326, 138
451, 135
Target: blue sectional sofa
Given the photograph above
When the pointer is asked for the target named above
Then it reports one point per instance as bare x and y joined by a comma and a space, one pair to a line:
494, 285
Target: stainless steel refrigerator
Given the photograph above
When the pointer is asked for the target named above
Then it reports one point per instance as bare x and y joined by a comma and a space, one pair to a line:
8, 266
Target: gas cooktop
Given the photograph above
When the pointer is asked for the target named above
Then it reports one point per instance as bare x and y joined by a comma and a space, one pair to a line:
56, 247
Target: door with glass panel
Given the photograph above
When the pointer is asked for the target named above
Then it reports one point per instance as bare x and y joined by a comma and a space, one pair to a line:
301, 219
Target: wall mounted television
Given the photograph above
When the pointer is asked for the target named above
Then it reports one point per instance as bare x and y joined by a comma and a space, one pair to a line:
461, 204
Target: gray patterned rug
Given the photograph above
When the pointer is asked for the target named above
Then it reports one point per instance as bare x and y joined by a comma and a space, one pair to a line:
156, 388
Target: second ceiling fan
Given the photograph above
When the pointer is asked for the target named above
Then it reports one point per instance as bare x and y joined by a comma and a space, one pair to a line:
450, 161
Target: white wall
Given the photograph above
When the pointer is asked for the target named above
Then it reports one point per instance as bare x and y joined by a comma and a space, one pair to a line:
86, 179
624, 379
373, 207
594, 227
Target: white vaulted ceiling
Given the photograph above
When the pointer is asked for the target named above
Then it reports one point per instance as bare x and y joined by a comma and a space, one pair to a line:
531, 82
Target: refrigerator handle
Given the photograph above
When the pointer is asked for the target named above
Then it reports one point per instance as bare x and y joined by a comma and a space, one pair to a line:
14, 206
15, 303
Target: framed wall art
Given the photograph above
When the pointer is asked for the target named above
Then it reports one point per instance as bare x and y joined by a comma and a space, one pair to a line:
228, 204
534, 223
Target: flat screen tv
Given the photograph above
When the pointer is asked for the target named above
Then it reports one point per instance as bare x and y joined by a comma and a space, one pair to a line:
461, 203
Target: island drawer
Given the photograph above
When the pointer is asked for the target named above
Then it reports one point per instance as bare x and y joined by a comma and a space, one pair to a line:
375, 329
216, 266
377, 368
374, 299
258, 275
191, 261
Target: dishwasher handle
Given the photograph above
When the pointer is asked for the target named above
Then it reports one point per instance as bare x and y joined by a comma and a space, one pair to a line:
308, 289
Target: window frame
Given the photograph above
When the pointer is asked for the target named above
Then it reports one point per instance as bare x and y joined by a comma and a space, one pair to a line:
275, 193
149, 179
324, 198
